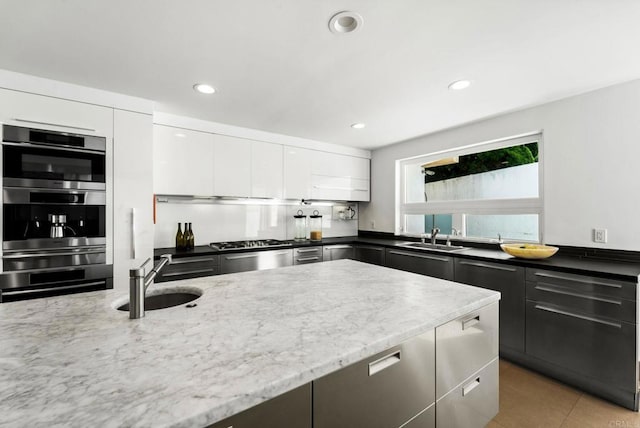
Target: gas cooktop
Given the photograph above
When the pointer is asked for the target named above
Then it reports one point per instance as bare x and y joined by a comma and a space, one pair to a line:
249, 244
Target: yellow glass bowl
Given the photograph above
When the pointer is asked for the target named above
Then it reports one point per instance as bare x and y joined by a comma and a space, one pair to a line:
529, 251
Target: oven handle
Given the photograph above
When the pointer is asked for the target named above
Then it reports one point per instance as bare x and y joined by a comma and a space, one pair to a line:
41, 289
78, 252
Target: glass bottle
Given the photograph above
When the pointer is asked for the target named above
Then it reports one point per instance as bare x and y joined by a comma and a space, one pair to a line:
192, 239
315, 226
180, 238
300, 226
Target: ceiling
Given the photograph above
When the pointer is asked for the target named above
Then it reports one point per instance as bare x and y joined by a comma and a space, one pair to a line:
278, 68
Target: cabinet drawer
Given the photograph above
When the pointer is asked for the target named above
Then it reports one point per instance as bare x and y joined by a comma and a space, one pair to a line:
597, 305
337, 252
291, 409
306, 255
472, 403
426, 419
256, 260
591, 346
465, 345
584, 284
426, 264
509, 281
383, 391
370, 254
189, 267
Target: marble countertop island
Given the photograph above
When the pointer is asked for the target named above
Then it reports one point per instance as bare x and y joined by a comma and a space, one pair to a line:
76, 361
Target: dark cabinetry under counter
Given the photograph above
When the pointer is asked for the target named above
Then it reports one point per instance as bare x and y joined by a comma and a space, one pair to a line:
426, 264
509, 281
370, 254
255, 260
584, 328
190, 267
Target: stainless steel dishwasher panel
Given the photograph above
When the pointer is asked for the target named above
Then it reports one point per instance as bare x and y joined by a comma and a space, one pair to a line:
426, 419
385, 390
465, 345
472, 403
255, 260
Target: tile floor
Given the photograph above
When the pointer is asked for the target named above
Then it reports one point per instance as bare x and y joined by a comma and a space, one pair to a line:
530, 400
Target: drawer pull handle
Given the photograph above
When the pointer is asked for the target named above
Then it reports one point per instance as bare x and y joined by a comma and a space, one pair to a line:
384, 362
307, 259
470, 322
421, 256
338, 247
471, 386
188, 272
551, 289
307, 250
191, 260
604, 284
582, 317
484, 265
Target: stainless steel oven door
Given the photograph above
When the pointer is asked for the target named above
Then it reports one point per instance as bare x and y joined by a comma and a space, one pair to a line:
62, 257
51, 282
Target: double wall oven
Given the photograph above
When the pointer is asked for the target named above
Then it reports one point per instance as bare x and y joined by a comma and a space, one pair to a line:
53, 214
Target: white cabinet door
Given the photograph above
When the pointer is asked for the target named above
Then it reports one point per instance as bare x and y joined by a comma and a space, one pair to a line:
231, 166
266, 170
132, 193
182, 161
339, 177
42, 112
297, 172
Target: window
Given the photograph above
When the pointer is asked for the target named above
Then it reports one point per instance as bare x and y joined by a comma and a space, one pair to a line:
476, 192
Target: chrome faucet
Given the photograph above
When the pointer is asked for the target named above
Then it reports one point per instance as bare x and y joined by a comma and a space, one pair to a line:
139, 282
434, 233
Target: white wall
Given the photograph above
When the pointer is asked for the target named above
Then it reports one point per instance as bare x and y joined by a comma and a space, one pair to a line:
591, 165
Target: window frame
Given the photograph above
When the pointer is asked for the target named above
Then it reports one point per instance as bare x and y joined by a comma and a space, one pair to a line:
481, 207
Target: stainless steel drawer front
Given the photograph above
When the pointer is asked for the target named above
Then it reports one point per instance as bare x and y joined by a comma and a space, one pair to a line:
425, 419
189, 267
257, 260
464, 345
472, 403
386, 390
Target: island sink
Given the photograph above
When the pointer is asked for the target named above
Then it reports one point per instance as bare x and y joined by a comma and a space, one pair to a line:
167, 299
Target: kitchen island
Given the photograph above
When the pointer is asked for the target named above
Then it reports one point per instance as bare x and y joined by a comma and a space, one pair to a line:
76, 361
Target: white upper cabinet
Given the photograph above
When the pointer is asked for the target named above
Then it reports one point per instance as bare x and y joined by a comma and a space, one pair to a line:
297, 172
42, 112
339, 177
266, 170
182, 161
231, 166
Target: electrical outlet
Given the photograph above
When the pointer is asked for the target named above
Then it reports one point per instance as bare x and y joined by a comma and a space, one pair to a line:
600, 235
373, 224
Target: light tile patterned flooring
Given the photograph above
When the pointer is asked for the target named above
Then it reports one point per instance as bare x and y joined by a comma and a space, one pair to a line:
530, 400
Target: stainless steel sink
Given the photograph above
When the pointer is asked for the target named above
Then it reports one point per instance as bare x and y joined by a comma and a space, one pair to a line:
435, 247
162, 300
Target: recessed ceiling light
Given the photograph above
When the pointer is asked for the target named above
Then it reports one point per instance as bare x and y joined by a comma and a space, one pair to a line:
180, 135
460, 84
358, 125
345, 22
203, 88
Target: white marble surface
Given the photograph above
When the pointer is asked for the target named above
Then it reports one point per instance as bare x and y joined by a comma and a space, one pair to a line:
76, 361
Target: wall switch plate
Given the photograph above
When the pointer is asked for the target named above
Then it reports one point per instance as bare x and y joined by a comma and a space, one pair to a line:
373, 224
600, 235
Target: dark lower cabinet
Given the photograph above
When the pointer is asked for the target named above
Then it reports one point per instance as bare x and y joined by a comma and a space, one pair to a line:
426, 264
370, 254
582, 330
189, 267
291, 410
255, 260
510, 282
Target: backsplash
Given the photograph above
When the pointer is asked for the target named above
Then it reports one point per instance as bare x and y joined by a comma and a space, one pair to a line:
234, 222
